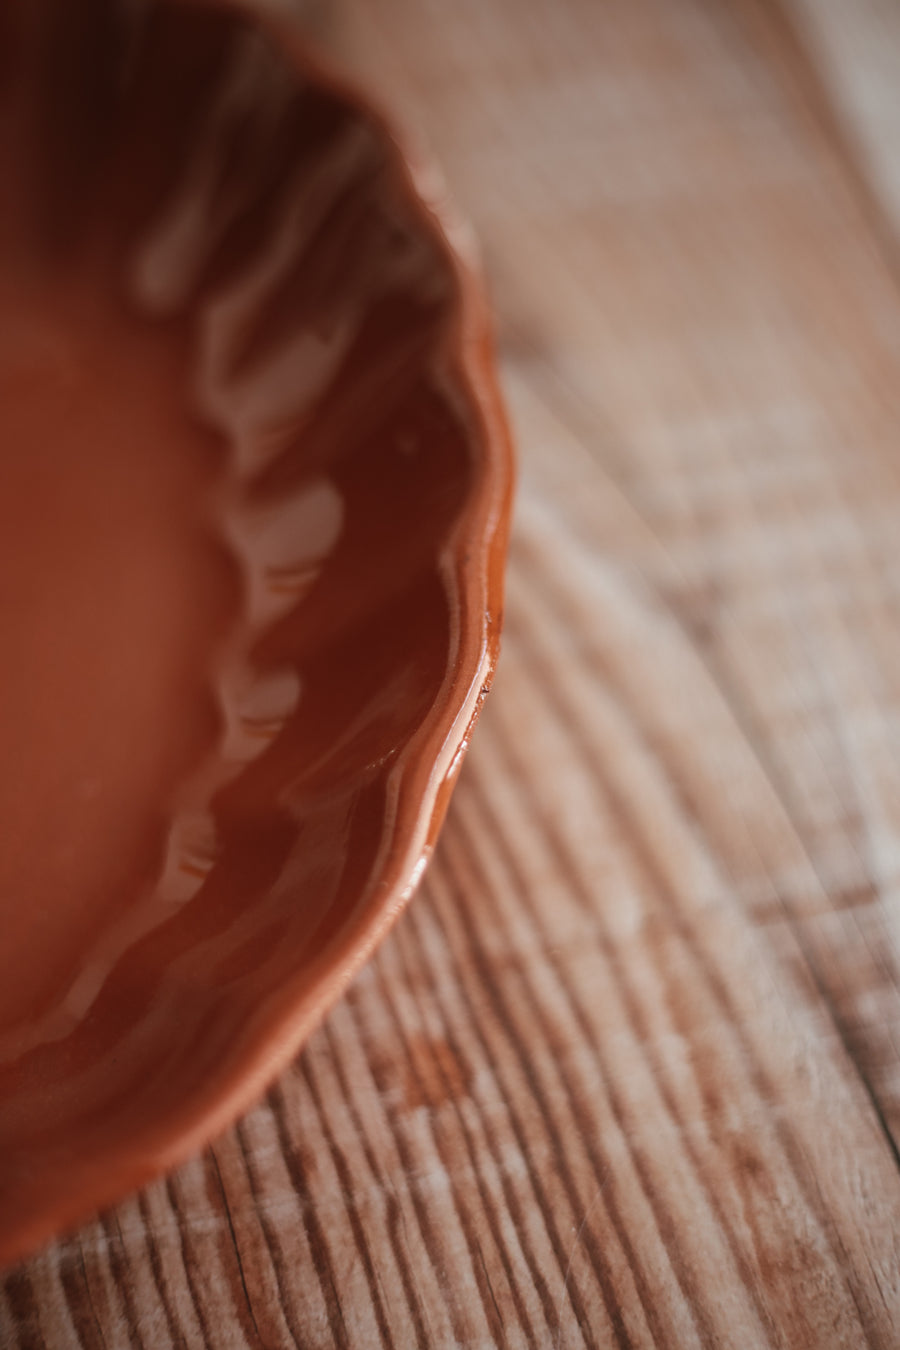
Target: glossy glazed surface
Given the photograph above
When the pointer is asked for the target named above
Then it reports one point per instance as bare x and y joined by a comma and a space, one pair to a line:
253, 499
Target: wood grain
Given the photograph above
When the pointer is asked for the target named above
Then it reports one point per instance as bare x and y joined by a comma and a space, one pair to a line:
628, 1071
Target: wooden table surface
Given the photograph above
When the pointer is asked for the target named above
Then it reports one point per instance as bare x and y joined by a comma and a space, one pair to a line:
628, 1071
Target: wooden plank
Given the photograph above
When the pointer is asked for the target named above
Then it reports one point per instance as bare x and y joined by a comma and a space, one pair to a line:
627, 1073
853, 48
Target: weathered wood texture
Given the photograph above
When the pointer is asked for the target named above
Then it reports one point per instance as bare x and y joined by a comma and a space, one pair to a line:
628, 1072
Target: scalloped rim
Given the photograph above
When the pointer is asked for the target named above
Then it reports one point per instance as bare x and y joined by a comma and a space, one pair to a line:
474, 564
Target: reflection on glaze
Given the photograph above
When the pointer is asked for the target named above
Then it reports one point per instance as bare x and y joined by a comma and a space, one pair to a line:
256, 709
281, 545
192, 847
192, 221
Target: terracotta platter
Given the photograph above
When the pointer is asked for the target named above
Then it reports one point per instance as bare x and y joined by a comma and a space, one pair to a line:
253, 498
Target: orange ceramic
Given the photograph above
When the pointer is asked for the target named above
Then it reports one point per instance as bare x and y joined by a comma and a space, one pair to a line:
254, 489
